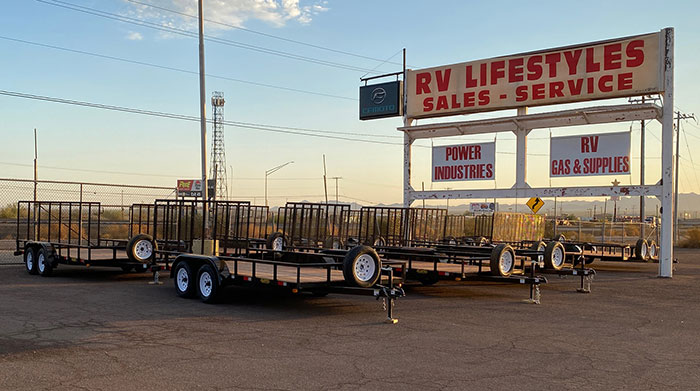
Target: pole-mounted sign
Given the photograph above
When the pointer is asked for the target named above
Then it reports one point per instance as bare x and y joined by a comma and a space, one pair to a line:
381, 100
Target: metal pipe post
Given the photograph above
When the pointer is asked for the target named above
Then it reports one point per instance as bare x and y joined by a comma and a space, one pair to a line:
203, 120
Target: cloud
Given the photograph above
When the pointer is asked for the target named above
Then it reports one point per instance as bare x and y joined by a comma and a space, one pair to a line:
134, 36
232, 12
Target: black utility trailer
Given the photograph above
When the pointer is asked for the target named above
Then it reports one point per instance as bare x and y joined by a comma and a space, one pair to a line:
416, 235
50, 233
205, 259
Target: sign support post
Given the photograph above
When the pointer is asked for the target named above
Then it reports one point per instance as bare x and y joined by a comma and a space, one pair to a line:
666, 245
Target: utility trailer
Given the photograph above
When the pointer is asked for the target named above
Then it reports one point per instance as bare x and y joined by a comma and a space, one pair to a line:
416, 235
50, 233
202, 265
309, 226
523, 232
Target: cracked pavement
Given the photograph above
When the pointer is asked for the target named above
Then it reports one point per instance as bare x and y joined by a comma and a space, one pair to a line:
101, 329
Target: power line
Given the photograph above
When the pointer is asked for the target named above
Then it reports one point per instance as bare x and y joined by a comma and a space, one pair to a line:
245, 125
690, 154
187, 33
137, 62
265, 34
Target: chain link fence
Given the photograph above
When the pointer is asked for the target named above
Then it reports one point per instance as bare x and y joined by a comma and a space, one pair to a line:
115, 198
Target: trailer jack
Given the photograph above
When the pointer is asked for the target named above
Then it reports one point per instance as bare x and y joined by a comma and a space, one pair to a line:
156, 276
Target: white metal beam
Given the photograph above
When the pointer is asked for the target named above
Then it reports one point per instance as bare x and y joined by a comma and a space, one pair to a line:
594, 191
583, 116
666, 245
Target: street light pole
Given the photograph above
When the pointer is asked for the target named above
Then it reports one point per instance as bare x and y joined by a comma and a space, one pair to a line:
270, 171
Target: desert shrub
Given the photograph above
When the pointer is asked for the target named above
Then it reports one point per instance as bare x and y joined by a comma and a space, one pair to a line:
691, 239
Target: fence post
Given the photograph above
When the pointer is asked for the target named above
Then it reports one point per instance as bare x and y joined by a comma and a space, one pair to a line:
579, 230
602, 234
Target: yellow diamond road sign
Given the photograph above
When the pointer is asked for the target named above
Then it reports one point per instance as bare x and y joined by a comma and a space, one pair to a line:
534, 203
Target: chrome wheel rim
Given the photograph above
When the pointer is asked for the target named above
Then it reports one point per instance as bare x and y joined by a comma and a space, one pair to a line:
143, 249
365, 267
30, 260
205, 284
506, 262
652, 250
278, 244
40, 262
183, 280
557, 257
644, 250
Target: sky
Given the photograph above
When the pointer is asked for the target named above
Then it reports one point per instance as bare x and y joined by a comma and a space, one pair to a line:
290, 70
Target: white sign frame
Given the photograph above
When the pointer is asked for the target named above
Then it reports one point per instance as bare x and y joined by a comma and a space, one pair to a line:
522, 124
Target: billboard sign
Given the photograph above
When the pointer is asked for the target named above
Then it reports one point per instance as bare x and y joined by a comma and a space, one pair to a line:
189, 188
590, 155
601, 70
482, 207
381, 100
464, 162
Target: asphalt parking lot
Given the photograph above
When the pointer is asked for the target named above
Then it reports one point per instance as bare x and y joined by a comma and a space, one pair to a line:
100, 329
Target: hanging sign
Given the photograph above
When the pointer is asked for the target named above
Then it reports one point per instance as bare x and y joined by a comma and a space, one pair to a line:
590, 155
600, 70
465, 162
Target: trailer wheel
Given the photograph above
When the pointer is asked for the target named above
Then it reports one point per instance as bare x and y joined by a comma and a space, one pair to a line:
184, 280
653, 250
538, 246
561, 238
482, 241
276, 241
450, 240
554, 256
30, 260
362, 266
641, 250
429, 279
44, 262
378, 242
502, 260
333, 244
207, 283
141, 248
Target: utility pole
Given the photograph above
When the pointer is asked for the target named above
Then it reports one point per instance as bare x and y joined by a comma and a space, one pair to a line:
325, 181
36, 153
203, 124
679, 117
336, 186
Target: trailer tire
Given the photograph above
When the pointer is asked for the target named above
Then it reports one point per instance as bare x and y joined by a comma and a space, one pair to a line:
641, 250
429, 279
184, 280
450, 241
30, 260
362, 267
378, 241
482, 241
44, 262
207, 283
560, 238
538, 246
502, 260
554, 256
333, 244
141, 248
653, 250
276, 241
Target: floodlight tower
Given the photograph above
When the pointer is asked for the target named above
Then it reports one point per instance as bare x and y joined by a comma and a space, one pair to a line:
218, 152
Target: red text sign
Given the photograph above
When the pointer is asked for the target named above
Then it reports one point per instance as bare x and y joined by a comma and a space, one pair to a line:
602, 70
590, 155
465, 162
